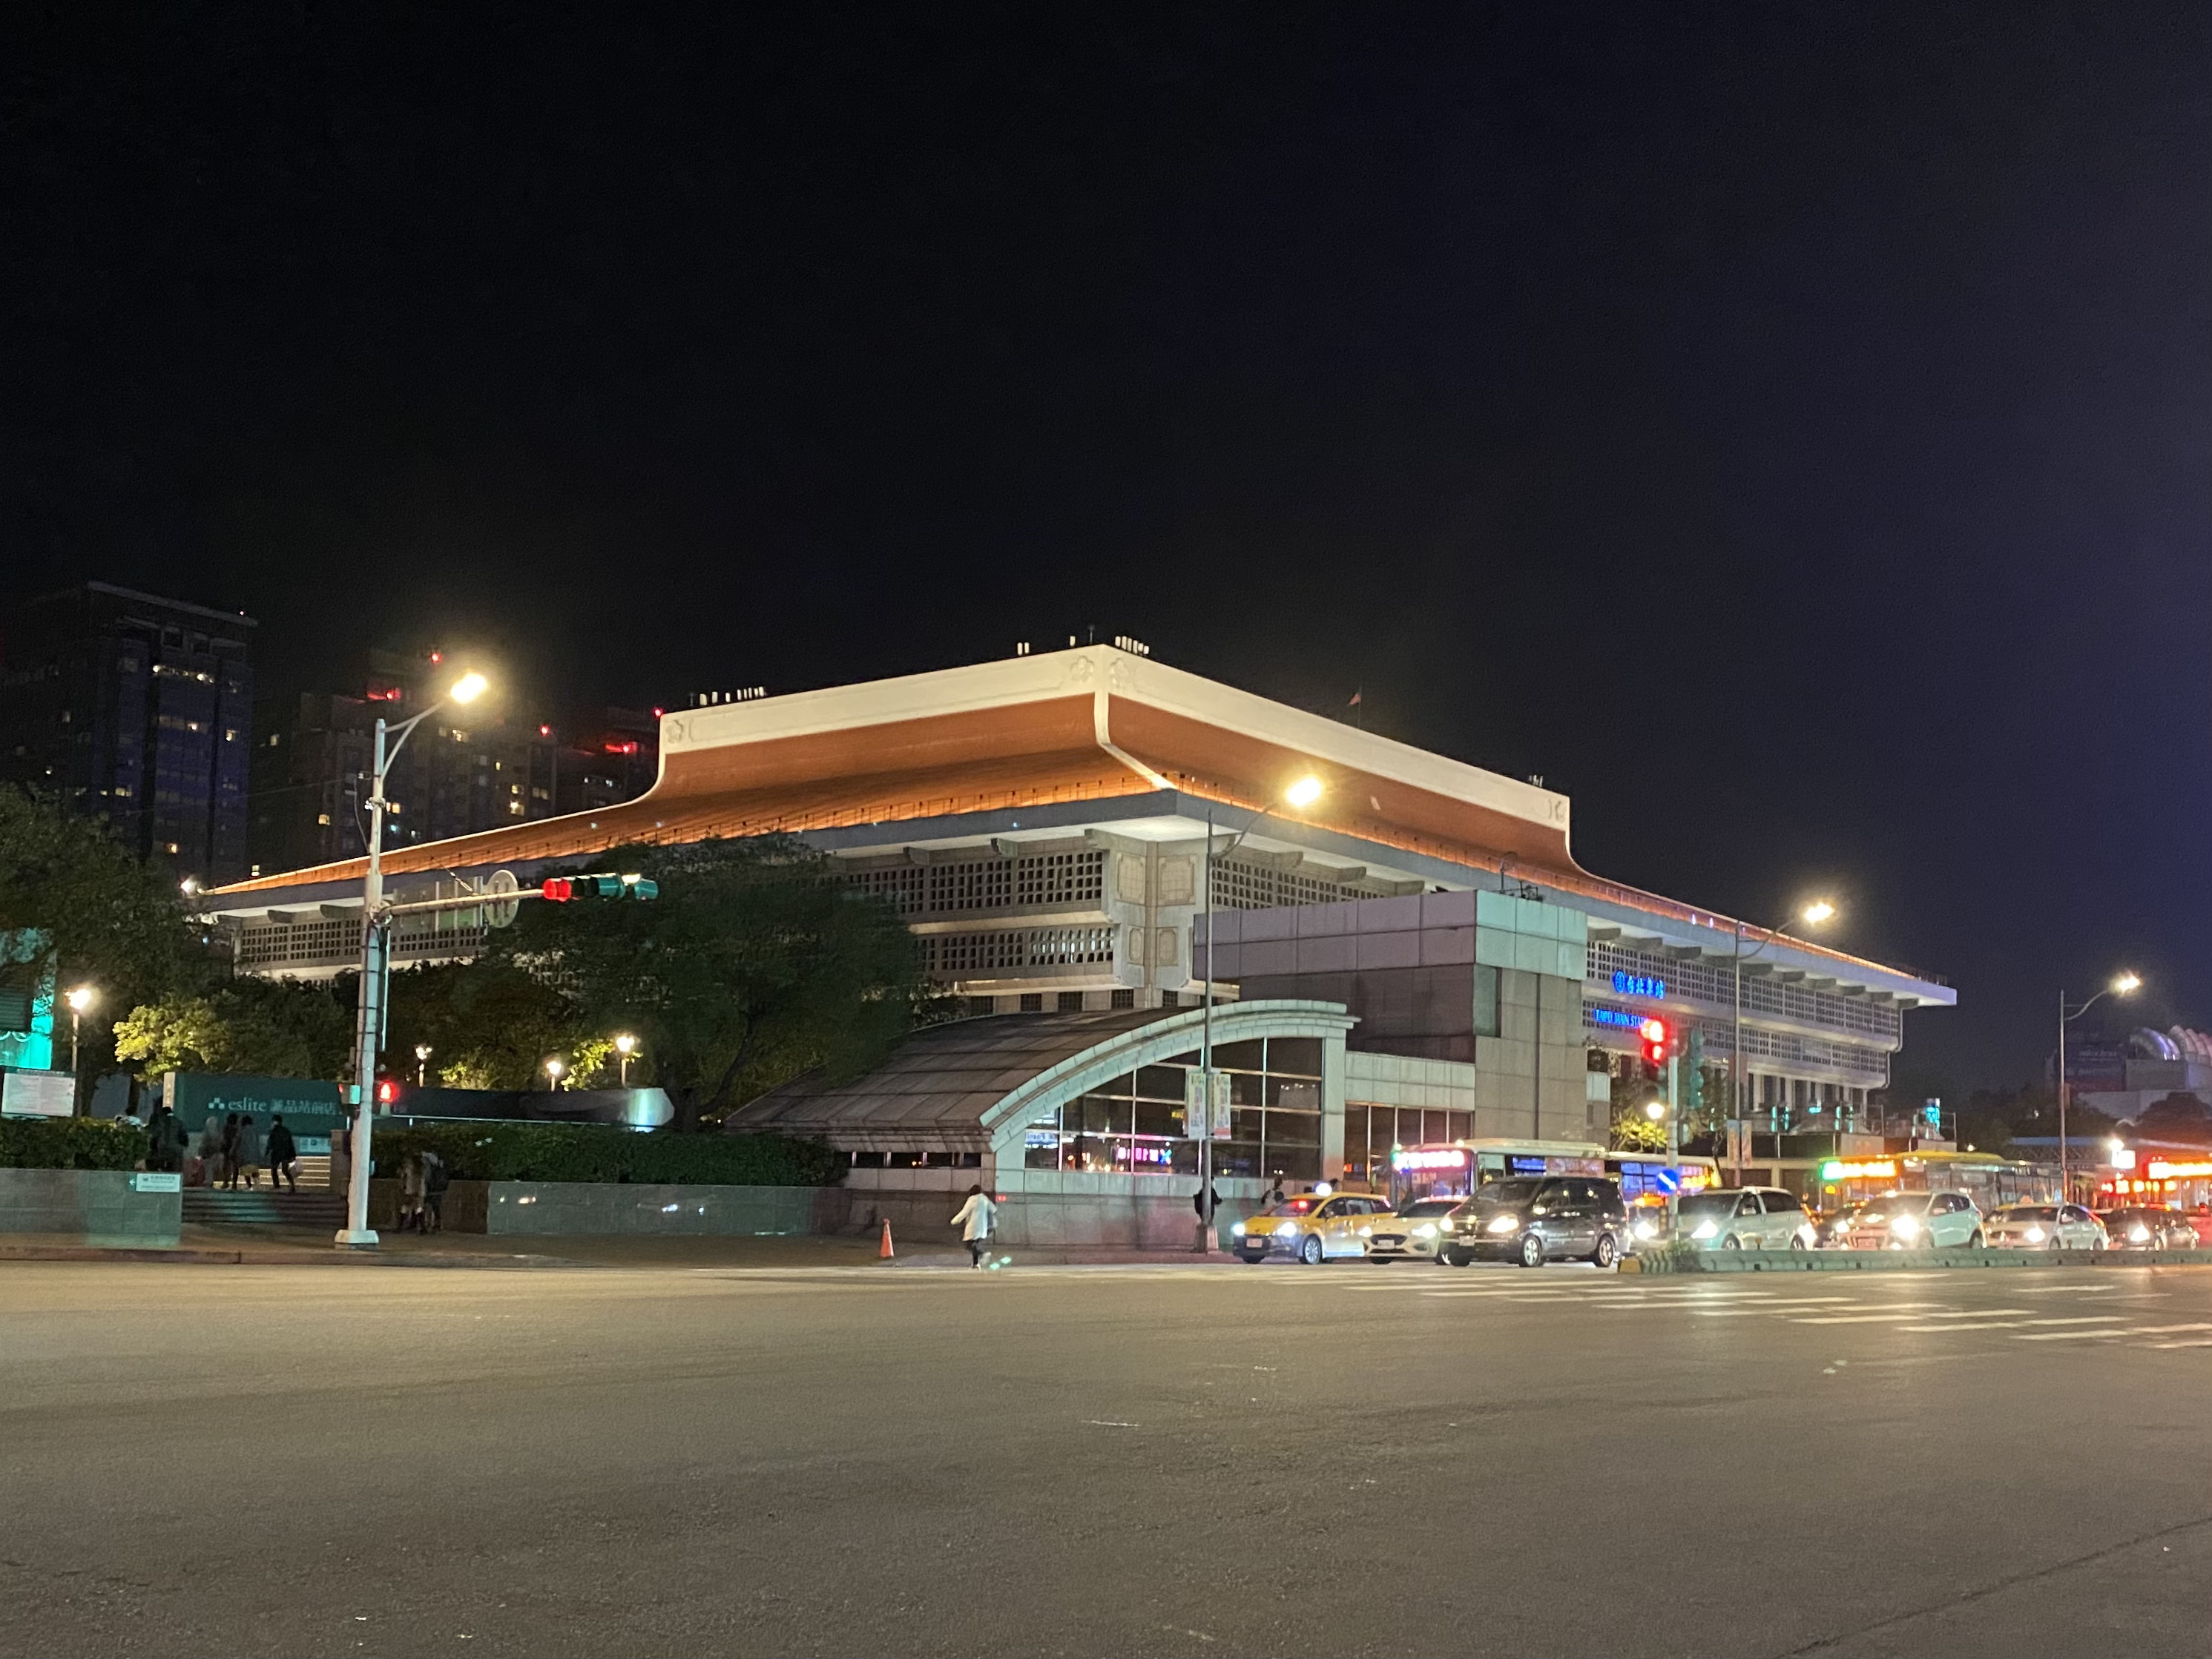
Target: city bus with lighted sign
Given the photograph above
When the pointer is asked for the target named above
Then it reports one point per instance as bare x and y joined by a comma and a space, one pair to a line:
1992, 1181
1458, 1169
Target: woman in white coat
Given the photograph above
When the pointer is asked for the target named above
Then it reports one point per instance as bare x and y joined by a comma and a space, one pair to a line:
975, 1221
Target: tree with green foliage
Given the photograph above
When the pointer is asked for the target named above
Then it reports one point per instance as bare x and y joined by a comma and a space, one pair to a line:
758, 962
268, 1028
118, 924
489, 1023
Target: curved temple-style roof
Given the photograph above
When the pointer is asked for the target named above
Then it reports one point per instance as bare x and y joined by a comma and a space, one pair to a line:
1082, 725
1093, 723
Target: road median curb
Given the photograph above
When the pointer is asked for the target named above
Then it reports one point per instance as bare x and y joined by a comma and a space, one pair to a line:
1754, 1261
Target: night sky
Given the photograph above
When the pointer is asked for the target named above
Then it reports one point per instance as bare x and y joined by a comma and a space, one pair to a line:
1782, 428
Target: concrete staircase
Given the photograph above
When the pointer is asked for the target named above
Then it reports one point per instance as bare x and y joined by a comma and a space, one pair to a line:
217, 1207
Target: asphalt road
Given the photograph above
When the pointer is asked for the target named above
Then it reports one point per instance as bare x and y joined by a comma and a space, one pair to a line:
1223, 1460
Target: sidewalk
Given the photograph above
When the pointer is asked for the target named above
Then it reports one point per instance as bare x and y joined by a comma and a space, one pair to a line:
270, 1247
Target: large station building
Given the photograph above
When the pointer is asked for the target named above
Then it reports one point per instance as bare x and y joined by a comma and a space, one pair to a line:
1414, 956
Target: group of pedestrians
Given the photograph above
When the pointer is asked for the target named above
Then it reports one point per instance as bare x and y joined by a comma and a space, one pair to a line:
234, 1150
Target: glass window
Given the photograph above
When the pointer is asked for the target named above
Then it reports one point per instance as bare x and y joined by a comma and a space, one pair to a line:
1294, 1056
1156, 1118
1246, 1088
1239, 1056
1782, 1203
1748, 1205
1161, 1083
1294, 1129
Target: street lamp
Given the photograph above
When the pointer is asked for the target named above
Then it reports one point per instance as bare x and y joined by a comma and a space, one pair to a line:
1301, 793
626, 1047
2125, 983
1812, 915
369, 1021
553, 1070
80, 1000
423, 1053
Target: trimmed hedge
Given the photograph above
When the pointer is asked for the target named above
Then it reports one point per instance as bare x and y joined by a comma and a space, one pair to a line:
70, 1143
595, 1151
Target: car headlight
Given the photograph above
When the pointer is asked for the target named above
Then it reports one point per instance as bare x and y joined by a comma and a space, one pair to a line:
1706, 1229
1505, 1224
1288, 1230
1647, 1230
2035, 1234
1427, 1229
2139, 1233
1236, 1229
1904, 1226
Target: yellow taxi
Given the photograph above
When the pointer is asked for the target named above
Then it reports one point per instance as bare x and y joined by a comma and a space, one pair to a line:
1312, 1228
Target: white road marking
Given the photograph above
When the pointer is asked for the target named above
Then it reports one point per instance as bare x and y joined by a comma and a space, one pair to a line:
2136, 1330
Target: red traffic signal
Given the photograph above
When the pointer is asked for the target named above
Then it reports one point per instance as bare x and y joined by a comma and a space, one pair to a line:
1655, 1035
387, 1091
562, 889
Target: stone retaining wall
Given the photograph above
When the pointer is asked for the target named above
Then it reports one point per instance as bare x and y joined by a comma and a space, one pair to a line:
93, 1204
551, 1208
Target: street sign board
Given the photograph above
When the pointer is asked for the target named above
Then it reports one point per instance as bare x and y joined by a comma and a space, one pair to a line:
156, 1180
501, 913
37, 1094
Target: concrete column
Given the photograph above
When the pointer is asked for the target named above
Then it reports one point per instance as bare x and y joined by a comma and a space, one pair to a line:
1331, 1108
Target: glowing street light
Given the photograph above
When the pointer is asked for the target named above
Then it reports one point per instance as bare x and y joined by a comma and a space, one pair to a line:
423, 1053
1655, 1109
1302, 793
375, 964
2126, 982
554, 1068
626, 1047
1811, 915
80, 999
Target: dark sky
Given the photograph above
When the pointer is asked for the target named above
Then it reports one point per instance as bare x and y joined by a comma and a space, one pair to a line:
1783, 427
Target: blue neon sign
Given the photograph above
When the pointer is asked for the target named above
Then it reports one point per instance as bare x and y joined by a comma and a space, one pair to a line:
1620, 1017
1639, 985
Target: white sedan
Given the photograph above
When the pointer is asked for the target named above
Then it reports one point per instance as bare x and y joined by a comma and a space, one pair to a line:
2046, 1227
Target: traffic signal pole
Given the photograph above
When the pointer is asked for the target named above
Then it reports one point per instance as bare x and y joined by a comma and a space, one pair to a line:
376, 977
1674, 1139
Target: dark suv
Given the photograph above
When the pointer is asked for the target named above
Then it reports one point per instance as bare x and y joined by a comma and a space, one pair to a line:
1533, 1219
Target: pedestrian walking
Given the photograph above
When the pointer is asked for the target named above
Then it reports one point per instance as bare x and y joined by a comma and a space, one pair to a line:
975, 1219
249, 1150
211, 1152
230, 1150
410, 1193
436, 1177
284, 1155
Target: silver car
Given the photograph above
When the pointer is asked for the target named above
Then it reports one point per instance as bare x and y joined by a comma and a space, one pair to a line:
2044, 1227
1915, 1221
1744, 1219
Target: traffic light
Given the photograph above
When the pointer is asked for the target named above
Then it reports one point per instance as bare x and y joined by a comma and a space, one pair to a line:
1655, 1035
1693, 1077
387, 1092
563, 888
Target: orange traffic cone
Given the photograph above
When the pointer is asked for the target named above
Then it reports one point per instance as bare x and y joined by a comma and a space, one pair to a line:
884, 1252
